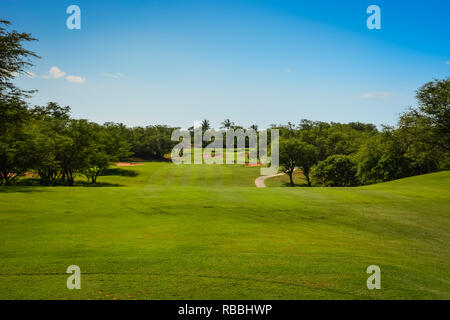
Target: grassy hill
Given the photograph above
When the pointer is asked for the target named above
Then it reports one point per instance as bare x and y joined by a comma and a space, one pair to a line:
205, 232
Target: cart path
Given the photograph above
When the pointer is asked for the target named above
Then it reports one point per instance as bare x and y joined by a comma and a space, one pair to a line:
259, 182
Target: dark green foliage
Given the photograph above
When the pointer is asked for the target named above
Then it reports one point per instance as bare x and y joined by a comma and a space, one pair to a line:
119, 172
426, 129
74, 147
295, 153
420, 144
382, 158
336, 171
151, 142
14, 139
14, 60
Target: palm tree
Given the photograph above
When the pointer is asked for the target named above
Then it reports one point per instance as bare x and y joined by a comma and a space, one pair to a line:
205, 125
227, 124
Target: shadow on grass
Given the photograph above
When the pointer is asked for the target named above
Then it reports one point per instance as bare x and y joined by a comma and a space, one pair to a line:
119, 172
288, 184
95, 185
29, 185
24, 184
19, 189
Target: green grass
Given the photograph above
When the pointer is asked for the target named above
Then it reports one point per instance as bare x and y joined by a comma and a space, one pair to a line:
206, 232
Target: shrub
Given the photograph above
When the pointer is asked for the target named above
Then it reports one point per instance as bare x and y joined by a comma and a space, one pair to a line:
336, 171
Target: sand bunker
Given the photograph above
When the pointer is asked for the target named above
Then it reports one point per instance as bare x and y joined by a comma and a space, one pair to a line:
253, 164
127, 164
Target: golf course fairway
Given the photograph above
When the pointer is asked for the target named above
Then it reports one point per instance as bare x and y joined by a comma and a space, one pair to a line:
206, 232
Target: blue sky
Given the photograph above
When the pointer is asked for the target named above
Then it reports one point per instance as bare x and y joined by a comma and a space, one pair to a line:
255, 62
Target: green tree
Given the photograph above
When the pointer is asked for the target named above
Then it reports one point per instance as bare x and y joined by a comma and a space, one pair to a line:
14, 156
336, 171
289, 151
50, 141
427, 128
383, 158
308, 158
227, 124
205, 125
14, 60
107, 145
296, 153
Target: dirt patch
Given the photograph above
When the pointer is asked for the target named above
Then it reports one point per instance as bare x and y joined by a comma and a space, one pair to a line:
127, 164
30, 175
253, 164
205, 156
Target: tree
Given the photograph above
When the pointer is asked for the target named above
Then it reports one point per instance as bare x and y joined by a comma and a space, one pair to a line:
205, 125
14, 60
336, 171
434, 103
116, 141
335, 138
430, 122
308, 158
49, 141
99, 161
383, 158
289, 150
254, 127
296, 153
14, 156
106, 145
227, 124
151, 142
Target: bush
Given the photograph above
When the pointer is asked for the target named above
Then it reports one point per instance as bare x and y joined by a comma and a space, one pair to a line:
336, 171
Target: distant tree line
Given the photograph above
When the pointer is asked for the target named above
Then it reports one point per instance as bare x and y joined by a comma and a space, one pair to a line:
335, 154
47, 141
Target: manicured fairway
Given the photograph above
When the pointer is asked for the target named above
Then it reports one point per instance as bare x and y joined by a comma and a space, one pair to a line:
206, 232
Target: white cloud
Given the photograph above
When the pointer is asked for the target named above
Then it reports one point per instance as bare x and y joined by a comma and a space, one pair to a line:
55, 73
376, 95
76, 79
116, 75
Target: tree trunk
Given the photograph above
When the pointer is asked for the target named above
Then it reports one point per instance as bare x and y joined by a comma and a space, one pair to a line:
94, 177
290, 177
306, 173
